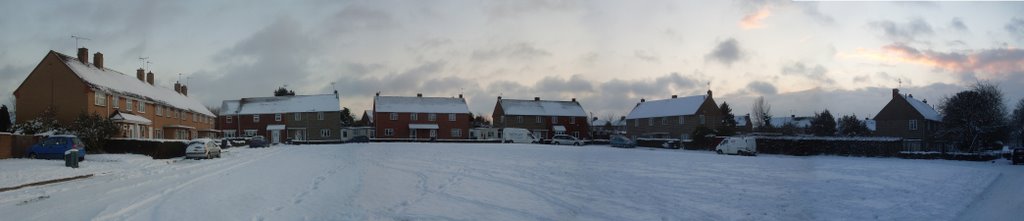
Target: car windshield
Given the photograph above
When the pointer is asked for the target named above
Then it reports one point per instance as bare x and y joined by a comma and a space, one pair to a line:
512, 110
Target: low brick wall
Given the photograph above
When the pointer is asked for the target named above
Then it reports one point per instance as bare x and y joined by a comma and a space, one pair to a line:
158, 149
841, 146
16, 146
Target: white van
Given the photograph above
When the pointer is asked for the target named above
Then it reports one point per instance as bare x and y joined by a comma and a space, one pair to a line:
738, 145
517, 135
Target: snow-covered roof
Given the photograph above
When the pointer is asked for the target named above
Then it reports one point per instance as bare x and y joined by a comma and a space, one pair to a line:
542, 108
109, 80
926, 110
741, 121
368, 115
282, 104
616, 122
130, 118
667, 107
398, 104
802, 122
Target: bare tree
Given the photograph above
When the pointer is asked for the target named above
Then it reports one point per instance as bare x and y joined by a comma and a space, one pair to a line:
761, 115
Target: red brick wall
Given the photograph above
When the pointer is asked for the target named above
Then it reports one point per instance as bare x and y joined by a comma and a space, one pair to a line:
245, 122
382, 121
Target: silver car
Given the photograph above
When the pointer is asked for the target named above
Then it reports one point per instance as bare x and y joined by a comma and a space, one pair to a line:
566, 139
202, 149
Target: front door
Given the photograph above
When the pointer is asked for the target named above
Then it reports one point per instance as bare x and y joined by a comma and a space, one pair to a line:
275, 136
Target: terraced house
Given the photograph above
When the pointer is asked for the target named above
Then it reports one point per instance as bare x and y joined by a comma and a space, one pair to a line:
420, 118
674, 118
545, 118
298, 118
70, 86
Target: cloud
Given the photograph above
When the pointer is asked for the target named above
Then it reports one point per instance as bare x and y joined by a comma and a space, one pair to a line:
1016, 28
753, 20
864, 102
958, 24
13, 76
726, 52
762, 88
516, 9
515, 51
356, 18
816, 73
989, 62
903, 32
646, 56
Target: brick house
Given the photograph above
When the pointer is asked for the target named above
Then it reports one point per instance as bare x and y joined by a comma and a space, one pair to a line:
420, 118
913, 120
674, 118
545, 118
144, 110
298, 118
603, 129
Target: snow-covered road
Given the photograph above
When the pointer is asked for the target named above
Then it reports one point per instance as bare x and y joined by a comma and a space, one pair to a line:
401, 181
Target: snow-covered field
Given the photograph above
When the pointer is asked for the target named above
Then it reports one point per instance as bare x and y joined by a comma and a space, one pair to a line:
402, 181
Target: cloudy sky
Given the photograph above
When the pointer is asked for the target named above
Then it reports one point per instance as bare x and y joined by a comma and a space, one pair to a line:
801, 56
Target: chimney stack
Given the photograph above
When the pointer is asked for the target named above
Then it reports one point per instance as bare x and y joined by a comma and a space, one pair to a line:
419, 94
536, 98
574, 100
709, 93
674, 96
895, 92
184, 90
910, 95
149, 77
83, 55
642, 100
460, 95
499, 98
622, 118
925, 101
140, 74
177, 87
98, 60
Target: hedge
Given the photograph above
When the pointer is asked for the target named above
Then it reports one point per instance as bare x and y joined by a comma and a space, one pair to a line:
158, 149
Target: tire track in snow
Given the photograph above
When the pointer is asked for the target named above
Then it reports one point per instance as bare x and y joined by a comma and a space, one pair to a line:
122, 213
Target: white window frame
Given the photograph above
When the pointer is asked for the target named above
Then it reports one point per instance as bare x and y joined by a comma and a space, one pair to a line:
250, 132
572, 120
554, 119
682, 120
703, 119
229, 119
100, 98
159, 110
539, 120
298, 116
255, 118
389, 132
433, 133
456, 132
664, 120
320, 115
414, 116
277, 117
519, 119
142, 106
650, 121
432, 117
115, 102
912, 125
128, 104
325, 133
576, 134
394, 116
451, 117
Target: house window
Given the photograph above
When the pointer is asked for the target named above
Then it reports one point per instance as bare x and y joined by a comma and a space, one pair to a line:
539, 120
702, 119
158, 134
142, 107
128, 104
324, 133
456, 132
572, 120
255, 118
101, 98
664, 120
432, 117
451, 117
681, 120
115, 102
913, 125
394, 116
576, 134
229, 119
554, 119
159, 110
414, 116
320, 115
433, 133
195, 117
650, 121
502, 118
519, 119
277, 117
298, 116
250, 133
389, 132
636, 122
229, 133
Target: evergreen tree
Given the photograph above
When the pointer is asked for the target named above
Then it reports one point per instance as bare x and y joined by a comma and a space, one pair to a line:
94, 130
5, 119
729, 123
976, 117
823, 124
347, 119
281, 91
852, 126
1017, 121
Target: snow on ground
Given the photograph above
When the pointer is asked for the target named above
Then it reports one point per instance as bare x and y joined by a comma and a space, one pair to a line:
402, 181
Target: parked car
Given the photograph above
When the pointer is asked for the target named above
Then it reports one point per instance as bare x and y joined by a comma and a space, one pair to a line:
566, 139
738, 146
202, 148
258, 141
53, 147
359, 139
517, 135
621, 141
1018, 155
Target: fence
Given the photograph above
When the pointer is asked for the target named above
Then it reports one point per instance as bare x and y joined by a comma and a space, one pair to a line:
16, 146
841, 146
158, 149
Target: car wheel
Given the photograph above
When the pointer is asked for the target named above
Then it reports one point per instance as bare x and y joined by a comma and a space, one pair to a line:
555, 143
718, 151
33, 156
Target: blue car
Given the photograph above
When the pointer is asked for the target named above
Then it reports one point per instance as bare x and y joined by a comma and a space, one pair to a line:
258, 141
621, 141
53, 147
